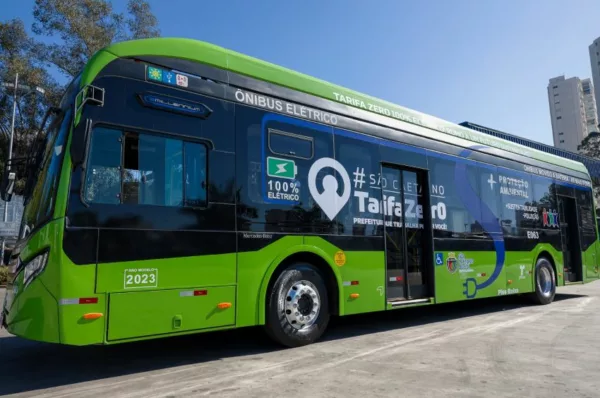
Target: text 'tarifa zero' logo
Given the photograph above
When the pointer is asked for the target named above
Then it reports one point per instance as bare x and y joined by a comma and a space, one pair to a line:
550, 218
329, 200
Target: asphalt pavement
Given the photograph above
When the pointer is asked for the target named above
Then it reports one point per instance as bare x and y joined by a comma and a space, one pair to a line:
486, 348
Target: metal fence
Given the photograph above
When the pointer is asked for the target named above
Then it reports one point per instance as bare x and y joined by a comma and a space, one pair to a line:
9, 230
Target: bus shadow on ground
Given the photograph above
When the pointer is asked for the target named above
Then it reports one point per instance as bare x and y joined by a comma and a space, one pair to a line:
29, 366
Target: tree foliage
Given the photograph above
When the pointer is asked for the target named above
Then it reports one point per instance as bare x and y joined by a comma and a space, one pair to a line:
86, 26
590, 146
142, 23
16, 56
66, 34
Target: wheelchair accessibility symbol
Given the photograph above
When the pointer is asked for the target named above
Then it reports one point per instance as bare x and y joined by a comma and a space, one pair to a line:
439, 258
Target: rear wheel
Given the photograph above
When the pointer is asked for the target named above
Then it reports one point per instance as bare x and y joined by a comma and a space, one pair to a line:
545, 285
297, 306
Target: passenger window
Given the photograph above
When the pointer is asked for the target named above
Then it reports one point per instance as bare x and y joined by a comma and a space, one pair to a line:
489, 194
289, 144
152, 170
195, 174
145, 170
453, 216
103, 180
544, 198
516, 195
586, 212
362, 156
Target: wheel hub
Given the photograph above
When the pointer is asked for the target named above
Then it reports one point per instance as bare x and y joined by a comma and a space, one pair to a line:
305, 304
302, 305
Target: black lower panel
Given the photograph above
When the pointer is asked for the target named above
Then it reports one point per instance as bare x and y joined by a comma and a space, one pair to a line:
81, 245
511, 243
463, 245
254, 241
355, 243
522, 243
131, 245
114, 245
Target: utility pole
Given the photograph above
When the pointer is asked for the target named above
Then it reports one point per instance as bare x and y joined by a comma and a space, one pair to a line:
10, 147
29, 90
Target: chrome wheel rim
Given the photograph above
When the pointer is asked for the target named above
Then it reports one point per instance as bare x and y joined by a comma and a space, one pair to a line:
545, 281
302, 305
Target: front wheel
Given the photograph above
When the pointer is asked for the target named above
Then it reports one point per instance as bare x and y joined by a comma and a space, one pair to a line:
545, 286
297, 306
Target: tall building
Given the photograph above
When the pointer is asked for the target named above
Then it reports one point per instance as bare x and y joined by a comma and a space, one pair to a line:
595, 63
569, 114
589, 105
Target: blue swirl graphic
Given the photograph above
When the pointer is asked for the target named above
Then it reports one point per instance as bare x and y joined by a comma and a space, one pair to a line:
485, 217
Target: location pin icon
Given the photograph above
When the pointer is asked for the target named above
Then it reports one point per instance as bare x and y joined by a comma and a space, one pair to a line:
329, 201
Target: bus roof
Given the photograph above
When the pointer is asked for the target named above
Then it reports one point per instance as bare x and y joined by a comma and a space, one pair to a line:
206, 53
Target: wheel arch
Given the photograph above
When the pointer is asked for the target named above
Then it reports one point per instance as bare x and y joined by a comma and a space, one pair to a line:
310, 255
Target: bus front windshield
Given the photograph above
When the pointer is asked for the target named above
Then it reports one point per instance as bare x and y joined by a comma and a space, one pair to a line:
43, 178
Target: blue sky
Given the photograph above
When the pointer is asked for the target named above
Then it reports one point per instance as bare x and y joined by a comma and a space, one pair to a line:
479, 60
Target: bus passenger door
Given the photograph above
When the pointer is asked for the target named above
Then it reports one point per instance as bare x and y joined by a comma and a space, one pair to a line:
586, 227
407, 235
569, 231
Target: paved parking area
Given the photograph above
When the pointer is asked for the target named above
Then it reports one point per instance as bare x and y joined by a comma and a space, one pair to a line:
487, 348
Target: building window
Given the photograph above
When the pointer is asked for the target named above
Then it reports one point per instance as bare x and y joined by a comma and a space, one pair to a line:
562, 141
559, 117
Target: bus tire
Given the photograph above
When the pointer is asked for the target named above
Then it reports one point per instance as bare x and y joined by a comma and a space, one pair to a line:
297, 306
544, 279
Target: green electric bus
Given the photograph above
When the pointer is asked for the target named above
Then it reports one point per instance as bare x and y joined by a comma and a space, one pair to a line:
181, 187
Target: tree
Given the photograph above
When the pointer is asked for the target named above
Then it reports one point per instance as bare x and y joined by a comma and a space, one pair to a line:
86, 26
67, 34
590, 146
16, 56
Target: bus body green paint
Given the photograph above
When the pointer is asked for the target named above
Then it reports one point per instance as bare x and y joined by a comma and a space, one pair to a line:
178, 222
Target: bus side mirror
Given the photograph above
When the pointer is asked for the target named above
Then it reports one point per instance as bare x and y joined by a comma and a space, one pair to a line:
8, 184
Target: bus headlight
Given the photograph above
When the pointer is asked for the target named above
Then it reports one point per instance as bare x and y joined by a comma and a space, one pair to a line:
34, 268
